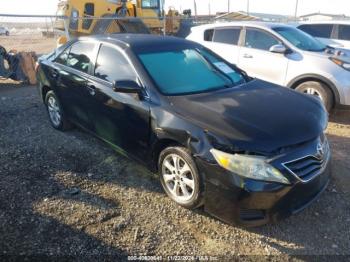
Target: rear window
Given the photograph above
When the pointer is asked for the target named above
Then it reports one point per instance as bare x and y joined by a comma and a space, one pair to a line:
344, 32
318, 30
227, 35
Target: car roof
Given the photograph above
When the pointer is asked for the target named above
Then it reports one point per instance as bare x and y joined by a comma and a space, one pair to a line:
140, 41
257, 24
341, 22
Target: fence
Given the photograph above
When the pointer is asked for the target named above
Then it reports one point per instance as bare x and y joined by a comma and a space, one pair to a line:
40, 33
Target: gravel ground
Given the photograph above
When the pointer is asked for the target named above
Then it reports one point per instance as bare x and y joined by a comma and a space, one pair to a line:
69, 194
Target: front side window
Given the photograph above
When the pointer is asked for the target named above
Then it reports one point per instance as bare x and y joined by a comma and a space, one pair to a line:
258, 39
300, 39
208, 35
318, 30
80, 56
344, 32
227, 35
188, 71
153, 4
112, 66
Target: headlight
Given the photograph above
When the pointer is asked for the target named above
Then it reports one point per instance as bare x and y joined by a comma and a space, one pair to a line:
341, 63
253, 167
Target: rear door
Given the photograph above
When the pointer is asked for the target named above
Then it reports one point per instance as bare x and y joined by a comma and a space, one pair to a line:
122, 119
72, 71
224, 41
256, 59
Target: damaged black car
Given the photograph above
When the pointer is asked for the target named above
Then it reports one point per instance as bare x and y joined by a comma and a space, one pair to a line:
248, 151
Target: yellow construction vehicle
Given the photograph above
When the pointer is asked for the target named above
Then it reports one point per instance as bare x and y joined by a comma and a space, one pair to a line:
81, 13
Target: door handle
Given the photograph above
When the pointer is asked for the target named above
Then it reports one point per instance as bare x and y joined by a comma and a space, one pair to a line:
247, 56
54, 73
92, 89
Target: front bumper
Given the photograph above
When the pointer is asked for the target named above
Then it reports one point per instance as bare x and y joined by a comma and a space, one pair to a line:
240, 201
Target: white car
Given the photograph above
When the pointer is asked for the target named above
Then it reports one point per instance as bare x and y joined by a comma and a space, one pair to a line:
332, 33
4, 31
283, 55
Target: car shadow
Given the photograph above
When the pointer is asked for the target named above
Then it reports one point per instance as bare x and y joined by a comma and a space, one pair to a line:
340, 117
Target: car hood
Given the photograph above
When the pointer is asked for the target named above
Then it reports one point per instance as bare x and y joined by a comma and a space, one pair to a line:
257, 116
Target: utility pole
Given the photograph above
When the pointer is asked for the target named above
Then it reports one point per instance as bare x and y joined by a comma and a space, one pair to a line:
209, 7
296, 10
228, 6
195, 8
247, 7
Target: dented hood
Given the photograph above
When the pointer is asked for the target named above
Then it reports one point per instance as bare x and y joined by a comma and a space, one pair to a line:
257, 116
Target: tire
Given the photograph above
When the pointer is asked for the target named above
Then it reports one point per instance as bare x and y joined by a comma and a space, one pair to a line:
7, 33
320, 90
55, 111
186, 189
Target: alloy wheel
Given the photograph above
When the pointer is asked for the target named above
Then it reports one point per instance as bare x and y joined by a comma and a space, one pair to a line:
314, 92
178, 177
54, 111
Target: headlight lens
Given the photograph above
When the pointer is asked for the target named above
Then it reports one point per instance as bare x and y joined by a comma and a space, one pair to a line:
341, 63
253, 167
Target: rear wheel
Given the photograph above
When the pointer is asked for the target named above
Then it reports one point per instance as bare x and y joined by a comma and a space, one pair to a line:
55, 111
7, 33
318, 89
180, 178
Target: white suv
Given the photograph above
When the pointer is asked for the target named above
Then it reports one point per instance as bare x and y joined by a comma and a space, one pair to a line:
283, 55
4, 31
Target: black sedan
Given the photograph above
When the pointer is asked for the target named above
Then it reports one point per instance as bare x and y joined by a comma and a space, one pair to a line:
249, 151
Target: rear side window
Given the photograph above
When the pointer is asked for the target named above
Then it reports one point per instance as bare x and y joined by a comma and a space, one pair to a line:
208, 35
227, 35
112, 66
259, 40
80, 56
62, 58
318, 30
344, 32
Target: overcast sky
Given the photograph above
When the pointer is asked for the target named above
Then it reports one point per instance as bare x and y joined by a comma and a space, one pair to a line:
285, 7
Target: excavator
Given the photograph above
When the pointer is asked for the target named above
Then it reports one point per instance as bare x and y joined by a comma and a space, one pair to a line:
87, 17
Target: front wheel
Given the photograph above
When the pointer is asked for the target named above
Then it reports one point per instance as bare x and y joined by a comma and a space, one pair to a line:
319, 90
7, 33
180, 178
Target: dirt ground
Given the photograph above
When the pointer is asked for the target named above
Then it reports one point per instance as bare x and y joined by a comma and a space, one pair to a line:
28, 43
69, 194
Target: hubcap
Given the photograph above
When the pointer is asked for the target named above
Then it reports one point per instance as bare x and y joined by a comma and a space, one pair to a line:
178, 177
314, 92
54, 111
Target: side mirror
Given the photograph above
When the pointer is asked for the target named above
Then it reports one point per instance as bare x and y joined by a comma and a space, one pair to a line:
280, 49
127, 86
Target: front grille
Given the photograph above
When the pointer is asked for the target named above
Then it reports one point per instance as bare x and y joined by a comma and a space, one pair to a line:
312, 165
305, 167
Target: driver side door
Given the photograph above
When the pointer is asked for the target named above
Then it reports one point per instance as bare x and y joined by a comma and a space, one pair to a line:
256, 59
122, 119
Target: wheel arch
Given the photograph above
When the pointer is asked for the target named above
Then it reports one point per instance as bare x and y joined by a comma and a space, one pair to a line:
159, 146
44, 90
317, 78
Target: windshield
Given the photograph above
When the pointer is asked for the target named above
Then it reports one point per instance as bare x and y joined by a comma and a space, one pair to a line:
189, 71
300, 39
